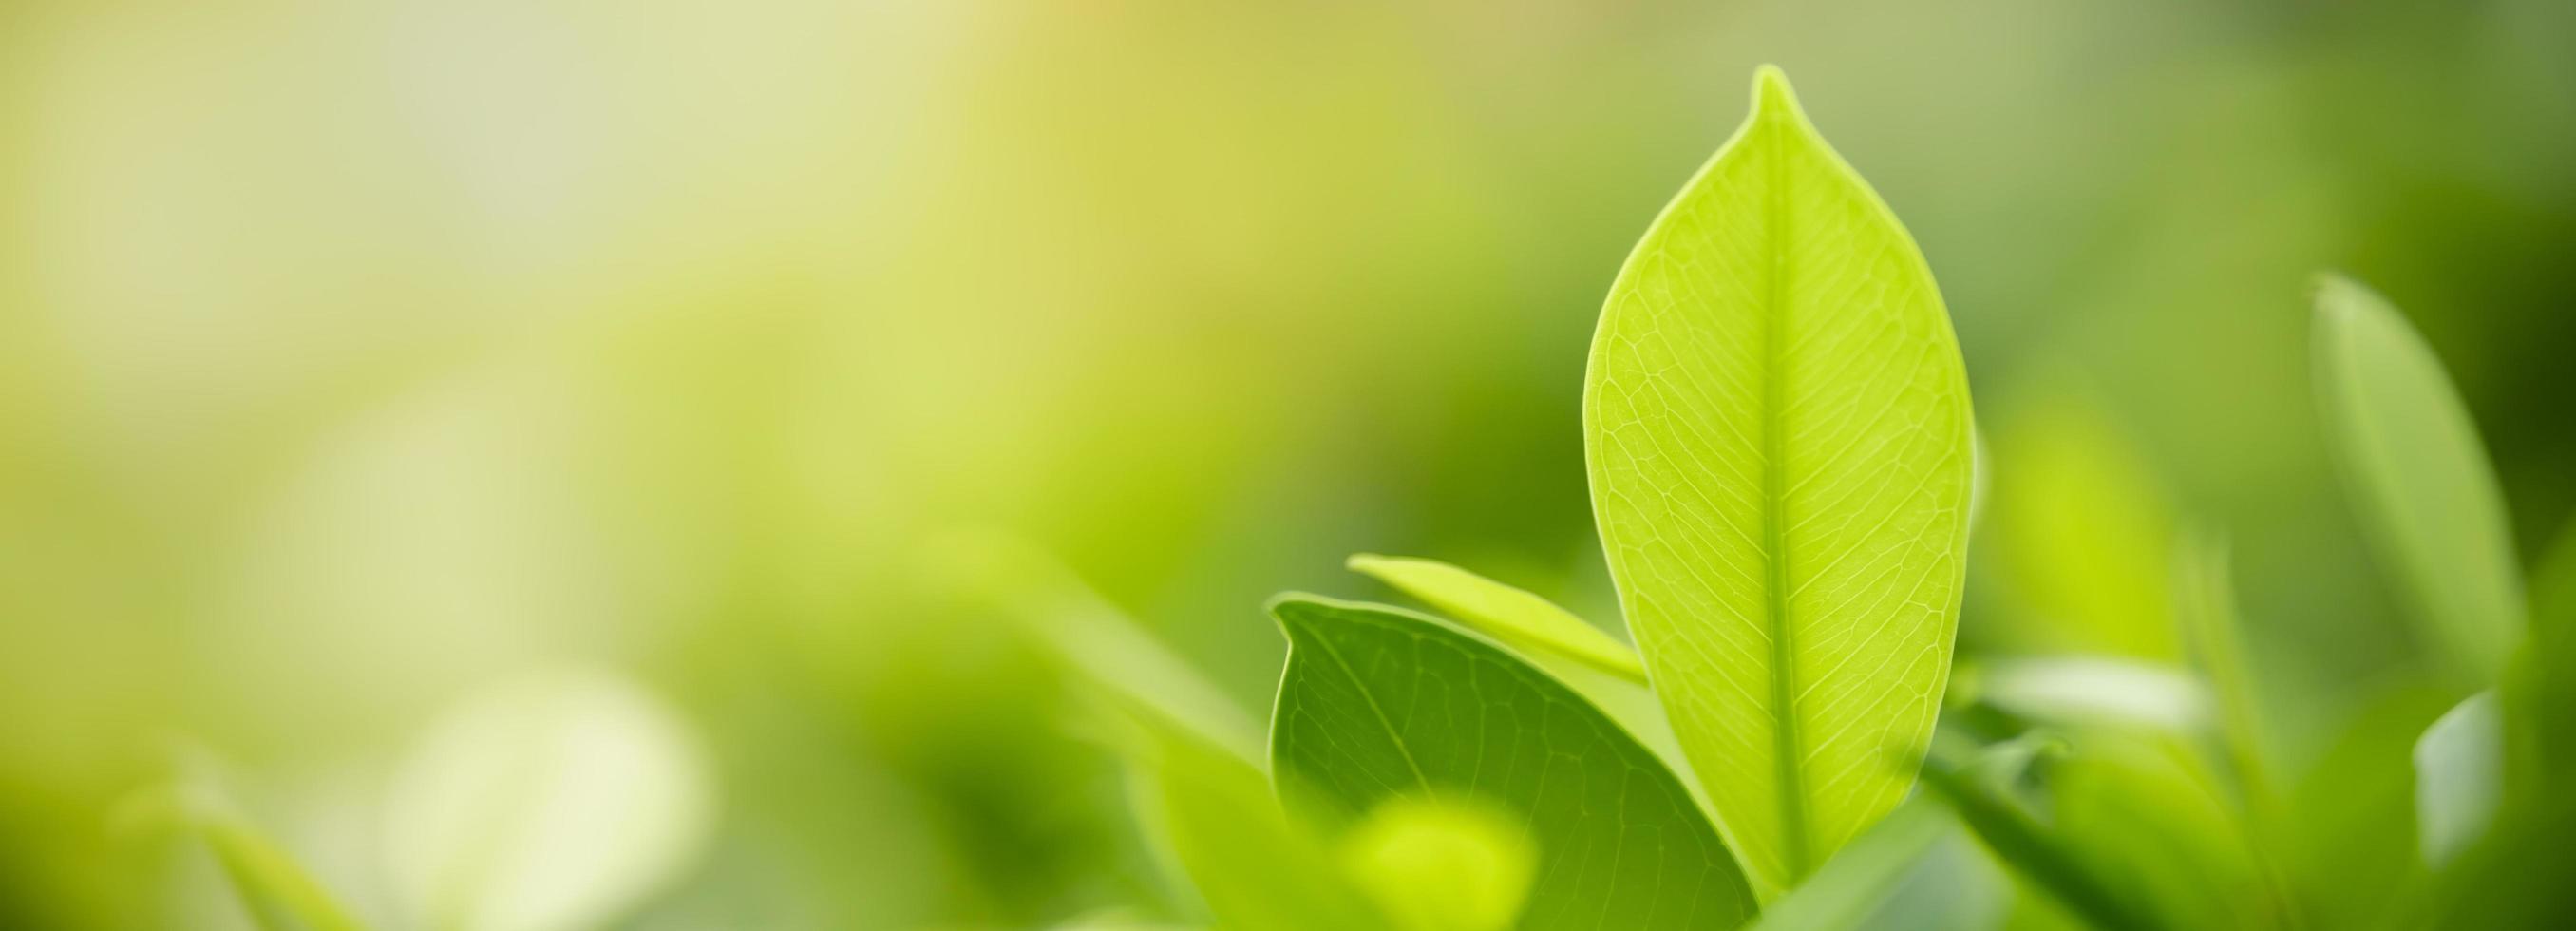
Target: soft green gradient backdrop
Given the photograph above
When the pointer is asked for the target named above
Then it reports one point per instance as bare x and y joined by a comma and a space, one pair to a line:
353, 355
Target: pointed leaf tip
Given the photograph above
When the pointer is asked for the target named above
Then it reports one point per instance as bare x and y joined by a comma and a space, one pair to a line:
1771, 91
1752, 523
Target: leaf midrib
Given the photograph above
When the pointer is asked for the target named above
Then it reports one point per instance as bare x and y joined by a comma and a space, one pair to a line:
1786, 748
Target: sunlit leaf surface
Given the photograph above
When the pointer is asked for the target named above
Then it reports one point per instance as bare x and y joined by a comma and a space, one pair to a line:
2410, 454
1778, 433
1378, 702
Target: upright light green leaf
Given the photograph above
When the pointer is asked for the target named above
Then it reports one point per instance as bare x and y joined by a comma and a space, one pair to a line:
1777, 428
1526, 621
1378, 703
2410, 455
2459, 777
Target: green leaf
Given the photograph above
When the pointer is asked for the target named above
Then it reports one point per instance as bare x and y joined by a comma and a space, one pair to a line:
1208, 809
2205, 612
1527, 622
1777, 428
2459, 777
2147, 814
1442, 864
1379, 702
2410, 456
1221, 824
2133, 835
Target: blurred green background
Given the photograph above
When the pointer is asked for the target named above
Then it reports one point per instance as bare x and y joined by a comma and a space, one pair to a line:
354, 357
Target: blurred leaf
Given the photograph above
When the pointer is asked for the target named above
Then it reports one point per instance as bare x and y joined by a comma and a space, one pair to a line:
1777, 428
2096, 689
2131, 838
2145, 814
1442, 864
2459, 777
1915, 869
2032, 848
277, 891
556, 800
1192, 756
1527, 622
1093, 637
2205, 610
2410, 456
1222, 824
1379, 702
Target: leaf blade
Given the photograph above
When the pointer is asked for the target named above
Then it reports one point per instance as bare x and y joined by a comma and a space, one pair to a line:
2411, 459
1778, 436
1377, 703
